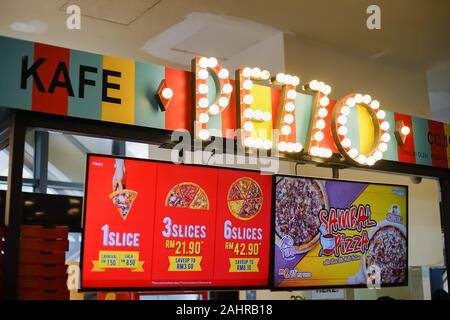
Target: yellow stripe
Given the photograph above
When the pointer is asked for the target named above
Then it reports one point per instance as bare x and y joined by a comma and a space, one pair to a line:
365, 128
262, 100
123, 112
447, 136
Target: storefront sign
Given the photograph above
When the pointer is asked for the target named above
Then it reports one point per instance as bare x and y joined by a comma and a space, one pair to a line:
337, 233
208, 102
155, 225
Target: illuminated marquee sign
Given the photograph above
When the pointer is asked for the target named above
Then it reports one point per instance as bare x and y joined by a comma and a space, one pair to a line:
272, 112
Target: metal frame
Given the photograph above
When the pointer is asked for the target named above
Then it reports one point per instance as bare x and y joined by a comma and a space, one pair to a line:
16, 122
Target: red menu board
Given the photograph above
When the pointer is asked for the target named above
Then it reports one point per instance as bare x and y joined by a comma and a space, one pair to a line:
160, 225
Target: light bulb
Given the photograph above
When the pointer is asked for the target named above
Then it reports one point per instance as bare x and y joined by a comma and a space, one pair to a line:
378, 155
345, 110
370, 161
385, 125
223, 73
227, 88
385, 137
295, 81
289, 118
320, 124
328, 153
353, 153
381, 114
288, 79
248, 142
350, 102
247, 84
290, 106
203, 117
358, 98
366, 99
212, 62
280, 78
248, 126
324, 101
342, 119
383, 147
282, 146
267, 144
314, 85
167, 93
203, 88
286, 130
290, 147
321, 86
203, 134
203, 103
346, 142
266, 116
375, 105
298, 147
342, 130
291, 94
248, 99
247, 72
203, 74
203, 62
256, 73
265, 75
248, 113
405, 130
323, 112
223, 102
258, 143
257, 115
318, 136
361, 159
327, 90
314, 151
214, 109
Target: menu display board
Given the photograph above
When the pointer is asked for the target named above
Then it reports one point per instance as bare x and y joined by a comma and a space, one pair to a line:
160, 225
330, 233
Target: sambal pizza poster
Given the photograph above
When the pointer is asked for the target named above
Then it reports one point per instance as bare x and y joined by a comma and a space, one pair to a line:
337, 233
150, 224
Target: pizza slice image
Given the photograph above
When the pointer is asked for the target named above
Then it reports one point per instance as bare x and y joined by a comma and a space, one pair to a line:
245, 198
123, 200
235, 193
187, 195
244, 185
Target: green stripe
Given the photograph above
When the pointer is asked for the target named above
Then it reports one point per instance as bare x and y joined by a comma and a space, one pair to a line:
303, 110
215, 122
353, 128
392, 152
421, 144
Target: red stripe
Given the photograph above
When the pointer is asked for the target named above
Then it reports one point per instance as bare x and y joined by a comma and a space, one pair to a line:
56, 102
229, 114
328, 141
406, 152
276, 93
179, 112
436, 137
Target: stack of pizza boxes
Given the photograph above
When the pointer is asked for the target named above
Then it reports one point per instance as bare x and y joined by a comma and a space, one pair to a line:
42, 269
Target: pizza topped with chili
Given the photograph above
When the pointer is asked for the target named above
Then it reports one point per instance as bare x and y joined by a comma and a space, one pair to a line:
187, 195
245, 198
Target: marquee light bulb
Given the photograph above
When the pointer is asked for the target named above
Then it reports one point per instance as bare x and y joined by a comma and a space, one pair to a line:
290, 106
378, 155
383, 147
267, 144
370, 161
257, 115
203, 74
290, 147
247, 84
282, 146
381, 114
346, 142
286, 130
321, 86
280, 77
385, 137
258, 143
318, 136
248, 126
203, 103
327, 91
223, 73
314, 151
248, 99
361, 159
256, 73
227, 88
351, 102
203, 62
247, 72
385, 125
298, 147
249, 142
266, 116
323, 112
328, 153
324, 101
288, 79
295, 81
203, 134
248, 113
203, 88
265, 75
167, 93
342, 119
314, 85
405, 130
223, 102
203, 117
289, 118
214, 109
366, 99
342, 130
291, 94
345, 110
353, 153
358, 98
375, 105
320, 124
212, 62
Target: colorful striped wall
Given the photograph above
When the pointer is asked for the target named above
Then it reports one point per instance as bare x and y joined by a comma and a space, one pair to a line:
428, 144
